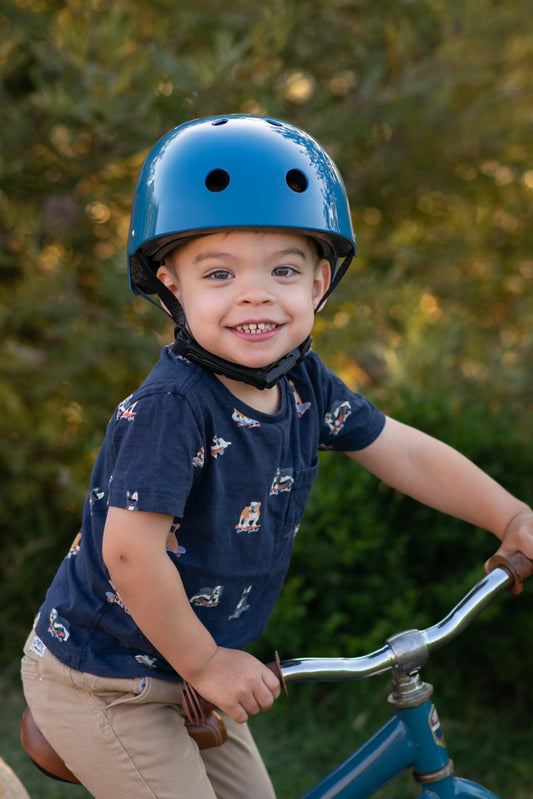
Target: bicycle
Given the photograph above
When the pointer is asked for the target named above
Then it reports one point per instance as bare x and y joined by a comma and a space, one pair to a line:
412, 738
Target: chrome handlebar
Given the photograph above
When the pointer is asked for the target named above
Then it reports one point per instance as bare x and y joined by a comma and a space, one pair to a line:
407, 651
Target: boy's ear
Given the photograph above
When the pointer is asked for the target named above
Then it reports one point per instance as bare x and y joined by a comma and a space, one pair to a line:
321, 281
168, 277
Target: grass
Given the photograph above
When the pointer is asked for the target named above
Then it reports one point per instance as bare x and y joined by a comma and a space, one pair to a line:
303, 737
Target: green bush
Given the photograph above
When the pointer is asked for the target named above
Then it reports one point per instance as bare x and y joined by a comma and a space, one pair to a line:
369, 562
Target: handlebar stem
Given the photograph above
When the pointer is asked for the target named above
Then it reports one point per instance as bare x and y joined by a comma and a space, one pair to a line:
410, 651
408, 691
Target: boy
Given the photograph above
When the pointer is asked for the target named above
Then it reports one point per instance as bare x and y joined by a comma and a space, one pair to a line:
241, 226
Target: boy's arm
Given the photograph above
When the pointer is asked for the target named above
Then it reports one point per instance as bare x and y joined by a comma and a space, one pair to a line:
149, 585
437, 475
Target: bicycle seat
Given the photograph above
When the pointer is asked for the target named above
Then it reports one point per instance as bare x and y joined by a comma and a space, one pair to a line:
41, 752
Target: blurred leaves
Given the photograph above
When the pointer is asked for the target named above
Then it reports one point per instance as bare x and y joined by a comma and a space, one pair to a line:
427, 108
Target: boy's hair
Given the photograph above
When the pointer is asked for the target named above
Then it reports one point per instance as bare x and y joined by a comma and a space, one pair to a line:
235, 172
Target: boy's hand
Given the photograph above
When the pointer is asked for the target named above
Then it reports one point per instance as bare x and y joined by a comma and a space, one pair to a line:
518, 535
237, 683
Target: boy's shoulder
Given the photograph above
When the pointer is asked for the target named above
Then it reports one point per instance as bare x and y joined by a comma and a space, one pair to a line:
313, 370
172, 373
173, 383
174, 390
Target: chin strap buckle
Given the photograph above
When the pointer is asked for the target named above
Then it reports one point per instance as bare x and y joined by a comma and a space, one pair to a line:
186, 346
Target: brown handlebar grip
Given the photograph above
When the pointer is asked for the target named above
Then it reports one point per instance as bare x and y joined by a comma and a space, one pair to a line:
517, 565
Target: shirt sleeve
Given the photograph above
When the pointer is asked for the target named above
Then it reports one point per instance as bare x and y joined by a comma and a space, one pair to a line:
349, 420
157, 447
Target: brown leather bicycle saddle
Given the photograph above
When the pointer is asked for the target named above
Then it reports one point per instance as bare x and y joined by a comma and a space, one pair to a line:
41, 752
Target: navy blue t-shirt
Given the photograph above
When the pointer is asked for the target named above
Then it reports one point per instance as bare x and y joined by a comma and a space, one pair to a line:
236, 482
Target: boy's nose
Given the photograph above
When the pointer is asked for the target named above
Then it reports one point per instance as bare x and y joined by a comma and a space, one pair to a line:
254, 290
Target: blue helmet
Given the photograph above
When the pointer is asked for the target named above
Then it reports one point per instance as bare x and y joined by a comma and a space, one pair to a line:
237, 171
240, 172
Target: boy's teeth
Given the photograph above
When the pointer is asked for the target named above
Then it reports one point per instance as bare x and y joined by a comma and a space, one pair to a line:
253, 328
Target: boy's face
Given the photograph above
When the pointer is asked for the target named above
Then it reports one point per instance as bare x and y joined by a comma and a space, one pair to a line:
248, 296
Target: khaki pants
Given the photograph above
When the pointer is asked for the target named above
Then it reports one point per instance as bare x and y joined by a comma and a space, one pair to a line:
126, 738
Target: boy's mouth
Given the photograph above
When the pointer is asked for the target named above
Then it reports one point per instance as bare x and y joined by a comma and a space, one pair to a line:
256, 328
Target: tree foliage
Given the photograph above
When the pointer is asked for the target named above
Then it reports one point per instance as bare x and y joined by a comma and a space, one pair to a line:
426, 106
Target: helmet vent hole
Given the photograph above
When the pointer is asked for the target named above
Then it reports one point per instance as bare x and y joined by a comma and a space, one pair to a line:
218, 122
296, 180
217, 180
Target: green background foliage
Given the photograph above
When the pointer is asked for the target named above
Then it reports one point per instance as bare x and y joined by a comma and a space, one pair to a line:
426, 106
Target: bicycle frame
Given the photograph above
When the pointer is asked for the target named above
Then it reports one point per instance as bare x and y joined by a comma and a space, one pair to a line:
412, 738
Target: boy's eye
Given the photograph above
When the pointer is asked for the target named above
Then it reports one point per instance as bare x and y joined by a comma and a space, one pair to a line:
284, 271
219, 274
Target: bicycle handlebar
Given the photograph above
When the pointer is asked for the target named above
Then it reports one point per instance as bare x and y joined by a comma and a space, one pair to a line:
408, 651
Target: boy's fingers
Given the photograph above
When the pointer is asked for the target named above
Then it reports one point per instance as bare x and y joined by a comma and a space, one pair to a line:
273, 684
237, 713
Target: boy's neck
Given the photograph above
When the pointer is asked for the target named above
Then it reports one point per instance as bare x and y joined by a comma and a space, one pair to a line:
266, 400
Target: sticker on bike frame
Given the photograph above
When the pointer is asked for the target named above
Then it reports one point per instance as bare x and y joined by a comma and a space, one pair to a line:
434, 726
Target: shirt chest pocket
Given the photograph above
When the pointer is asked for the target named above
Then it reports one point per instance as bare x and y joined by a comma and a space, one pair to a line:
290, 492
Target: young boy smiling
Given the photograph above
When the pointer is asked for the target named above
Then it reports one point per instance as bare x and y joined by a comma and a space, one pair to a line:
250, 297
241, 226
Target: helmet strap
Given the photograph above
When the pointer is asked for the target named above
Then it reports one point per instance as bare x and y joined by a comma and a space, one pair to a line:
341, 269
171, 305
187, 346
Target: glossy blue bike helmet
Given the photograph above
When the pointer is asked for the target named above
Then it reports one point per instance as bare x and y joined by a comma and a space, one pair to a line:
237, 171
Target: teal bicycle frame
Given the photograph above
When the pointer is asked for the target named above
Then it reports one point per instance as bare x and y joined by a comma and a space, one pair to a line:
412, 738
